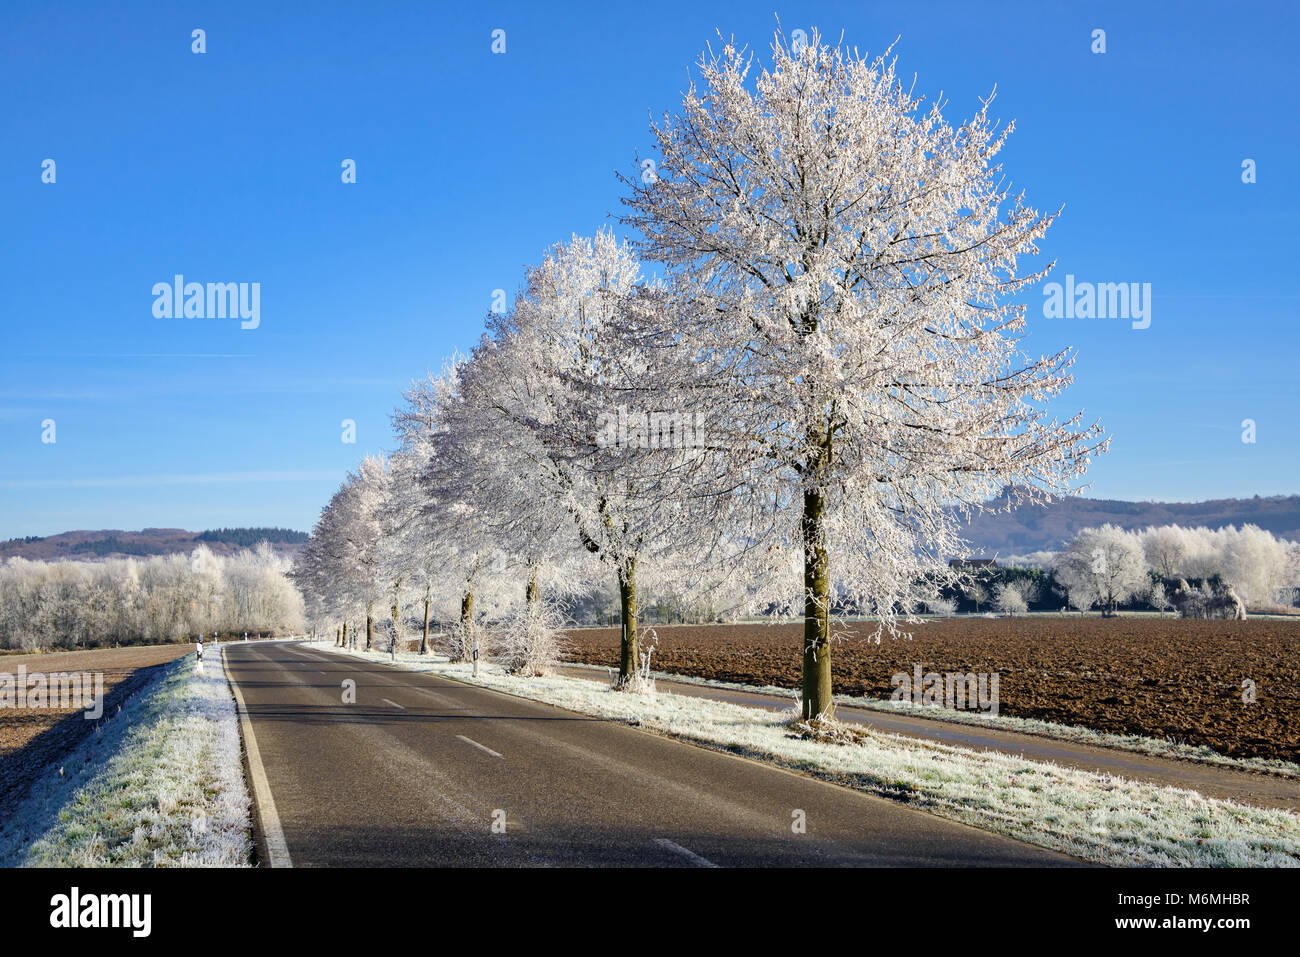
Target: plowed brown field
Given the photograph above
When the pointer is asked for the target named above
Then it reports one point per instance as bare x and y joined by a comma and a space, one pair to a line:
31, 738
1161, 677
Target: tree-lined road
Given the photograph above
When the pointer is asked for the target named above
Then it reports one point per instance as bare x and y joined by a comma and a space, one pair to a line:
416, 771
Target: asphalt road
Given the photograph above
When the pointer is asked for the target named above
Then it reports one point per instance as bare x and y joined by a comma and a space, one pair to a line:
1218, 781
425, 771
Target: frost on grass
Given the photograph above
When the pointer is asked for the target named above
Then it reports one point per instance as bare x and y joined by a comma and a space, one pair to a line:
158, 784
827, 731
1098, 817
1136, 743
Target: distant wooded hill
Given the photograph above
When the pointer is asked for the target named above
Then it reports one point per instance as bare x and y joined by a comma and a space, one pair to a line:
1031, 529
1020, 532
106, 543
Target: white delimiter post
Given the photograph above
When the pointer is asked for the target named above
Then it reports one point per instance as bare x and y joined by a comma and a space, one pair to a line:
475, 656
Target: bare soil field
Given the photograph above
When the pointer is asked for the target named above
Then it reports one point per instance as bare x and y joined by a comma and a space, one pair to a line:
1159, 677
32, 738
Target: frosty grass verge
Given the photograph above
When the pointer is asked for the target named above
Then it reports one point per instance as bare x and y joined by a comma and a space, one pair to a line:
1135, 743
160, 783
1097, 817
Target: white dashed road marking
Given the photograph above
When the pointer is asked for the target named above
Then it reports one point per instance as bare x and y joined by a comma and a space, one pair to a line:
688, 854
479, 746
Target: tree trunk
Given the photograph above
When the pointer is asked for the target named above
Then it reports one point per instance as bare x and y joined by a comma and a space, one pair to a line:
532, 594
396, 630
627, 608
345, 634
817, 700
370, 629
424, 642
467, 624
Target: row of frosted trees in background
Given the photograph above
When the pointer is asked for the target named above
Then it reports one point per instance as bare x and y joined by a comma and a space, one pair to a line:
820, 379
1198, 572
72, 604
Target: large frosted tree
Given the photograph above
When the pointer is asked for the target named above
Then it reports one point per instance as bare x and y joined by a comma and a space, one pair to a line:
850, 263
564, 393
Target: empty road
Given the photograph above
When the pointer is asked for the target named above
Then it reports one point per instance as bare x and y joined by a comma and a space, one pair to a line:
423, 771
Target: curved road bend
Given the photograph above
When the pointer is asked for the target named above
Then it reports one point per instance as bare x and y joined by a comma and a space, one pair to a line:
417, 770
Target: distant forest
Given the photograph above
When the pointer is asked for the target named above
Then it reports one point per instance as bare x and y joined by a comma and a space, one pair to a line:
248, 537
114, 546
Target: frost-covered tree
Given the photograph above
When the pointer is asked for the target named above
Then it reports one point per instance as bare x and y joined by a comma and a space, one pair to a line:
848, 261
341, 566
415, 553
447, 520
1009, 599
1103, 566
1014, 597
313, 572
257, 592
424, 545
943, 607
1249, 558
481, 459
557, 391
73, 604
977, 592
366, 496
1255, 563
1165, 547
1158, 597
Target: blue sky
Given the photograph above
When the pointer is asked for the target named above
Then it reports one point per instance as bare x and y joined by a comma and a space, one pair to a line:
225, 166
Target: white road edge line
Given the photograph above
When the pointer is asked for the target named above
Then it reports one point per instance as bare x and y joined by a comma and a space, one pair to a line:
684, 852
393, 703
479, 746
277, 850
